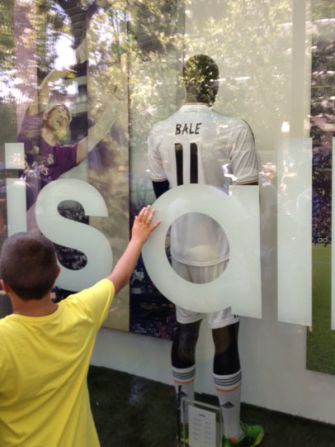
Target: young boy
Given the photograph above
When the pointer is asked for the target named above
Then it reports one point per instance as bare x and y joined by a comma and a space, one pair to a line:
45, 347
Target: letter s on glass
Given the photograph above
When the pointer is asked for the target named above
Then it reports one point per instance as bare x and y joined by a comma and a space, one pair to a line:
73, 234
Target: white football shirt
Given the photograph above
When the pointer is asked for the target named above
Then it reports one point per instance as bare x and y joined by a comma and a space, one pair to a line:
198, 145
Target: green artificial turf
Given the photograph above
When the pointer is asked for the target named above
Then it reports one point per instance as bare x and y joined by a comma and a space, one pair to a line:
321, 340
132, 411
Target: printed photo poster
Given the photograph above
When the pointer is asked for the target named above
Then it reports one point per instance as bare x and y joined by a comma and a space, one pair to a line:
71, 127
52, 118
320, 338
43, 102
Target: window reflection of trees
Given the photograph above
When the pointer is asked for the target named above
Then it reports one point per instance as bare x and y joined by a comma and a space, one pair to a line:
322, 127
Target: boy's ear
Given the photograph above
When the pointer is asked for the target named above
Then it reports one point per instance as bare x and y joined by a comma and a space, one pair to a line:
4, 286
58, 271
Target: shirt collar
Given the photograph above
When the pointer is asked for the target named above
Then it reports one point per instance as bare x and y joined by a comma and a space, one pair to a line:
195, 106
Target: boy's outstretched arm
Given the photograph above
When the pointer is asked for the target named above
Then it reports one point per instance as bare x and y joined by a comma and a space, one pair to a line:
142, 228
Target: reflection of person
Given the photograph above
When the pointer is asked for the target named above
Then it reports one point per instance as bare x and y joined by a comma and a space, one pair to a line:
197, 145
47, 347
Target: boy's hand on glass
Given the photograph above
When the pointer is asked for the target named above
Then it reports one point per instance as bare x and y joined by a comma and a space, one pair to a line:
143, 226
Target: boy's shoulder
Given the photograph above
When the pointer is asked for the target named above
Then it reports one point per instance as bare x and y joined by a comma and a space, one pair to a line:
9, 333
7, 323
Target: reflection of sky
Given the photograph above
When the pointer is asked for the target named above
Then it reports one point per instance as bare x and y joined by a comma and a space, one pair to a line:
65, 53
65, 58
9, 87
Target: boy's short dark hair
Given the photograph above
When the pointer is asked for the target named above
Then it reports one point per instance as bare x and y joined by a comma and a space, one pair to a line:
200, 75
28, 265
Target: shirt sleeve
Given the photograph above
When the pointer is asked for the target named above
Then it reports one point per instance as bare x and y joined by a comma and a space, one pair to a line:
95, 301
157, 173
243, 156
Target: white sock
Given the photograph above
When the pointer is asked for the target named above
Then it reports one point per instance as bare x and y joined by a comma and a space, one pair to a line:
184, 384
228, 389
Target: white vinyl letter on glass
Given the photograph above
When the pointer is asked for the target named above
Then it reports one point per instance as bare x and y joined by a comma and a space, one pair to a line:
16, 190
239, 286
295, 231
73, 234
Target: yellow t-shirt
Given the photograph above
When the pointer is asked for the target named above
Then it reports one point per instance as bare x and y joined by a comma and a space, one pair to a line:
44, 361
